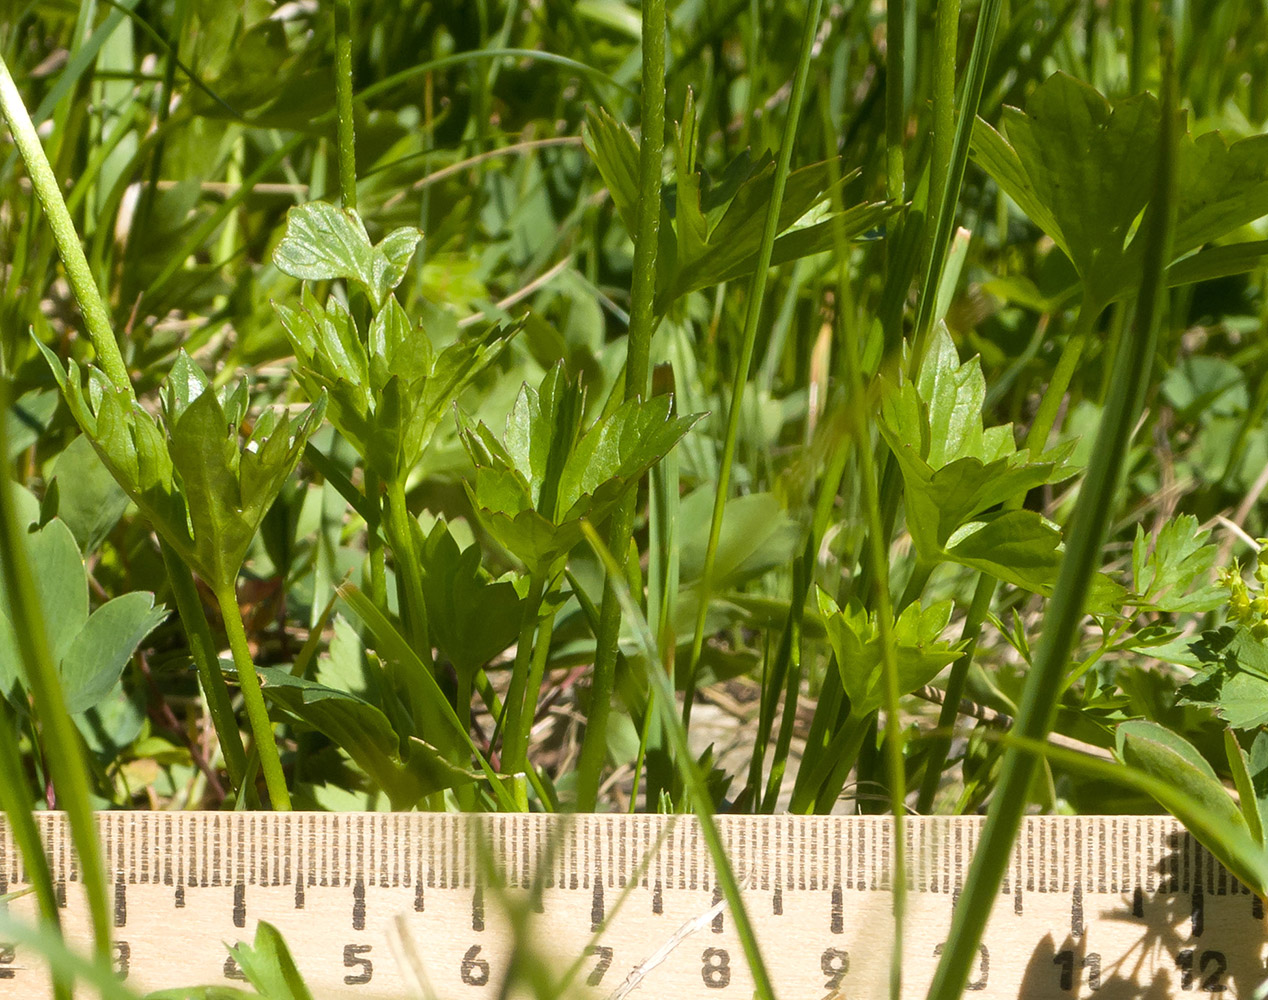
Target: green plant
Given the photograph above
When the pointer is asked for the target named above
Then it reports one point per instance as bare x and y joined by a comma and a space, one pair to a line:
536, 488
816, 371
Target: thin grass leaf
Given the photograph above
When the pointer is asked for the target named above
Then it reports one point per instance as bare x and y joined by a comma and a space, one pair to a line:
1233, 847
1089, 525
393, 645
63, 748
676, 733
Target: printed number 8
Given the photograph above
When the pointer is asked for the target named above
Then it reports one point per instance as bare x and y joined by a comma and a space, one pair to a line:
716, 971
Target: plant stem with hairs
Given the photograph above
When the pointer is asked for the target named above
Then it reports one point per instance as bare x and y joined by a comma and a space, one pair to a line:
638, 351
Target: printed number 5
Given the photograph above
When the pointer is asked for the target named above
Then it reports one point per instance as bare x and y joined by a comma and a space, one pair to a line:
351, 960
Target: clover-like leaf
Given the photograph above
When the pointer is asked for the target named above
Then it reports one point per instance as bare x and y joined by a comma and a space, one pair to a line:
534, 487
89, 650
855, 639
97, 654
1081, 168
324, 242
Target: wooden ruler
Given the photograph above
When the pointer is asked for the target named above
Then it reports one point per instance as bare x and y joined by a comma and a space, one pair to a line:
396, 905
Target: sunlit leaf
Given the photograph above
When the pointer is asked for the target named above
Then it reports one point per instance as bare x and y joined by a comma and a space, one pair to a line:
324, 242
1234, 676
855, 639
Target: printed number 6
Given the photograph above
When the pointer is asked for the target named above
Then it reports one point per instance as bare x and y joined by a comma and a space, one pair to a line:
475, 971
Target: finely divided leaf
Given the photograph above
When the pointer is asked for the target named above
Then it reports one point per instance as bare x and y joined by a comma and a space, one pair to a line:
1234, 678
1175, 576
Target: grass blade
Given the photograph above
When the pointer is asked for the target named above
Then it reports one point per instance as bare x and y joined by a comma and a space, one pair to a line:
663, 704
752, 319
63, 750
1087, 531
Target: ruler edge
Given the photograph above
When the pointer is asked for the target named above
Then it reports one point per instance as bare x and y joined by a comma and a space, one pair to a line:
1101, 854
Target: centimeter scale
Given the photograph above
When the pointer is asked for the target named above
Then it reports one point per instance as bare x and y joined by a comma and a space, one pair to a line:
398, 905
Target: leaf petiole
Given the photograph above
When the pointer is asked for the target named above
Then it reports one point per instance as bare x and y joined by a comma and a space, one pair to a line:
257, 711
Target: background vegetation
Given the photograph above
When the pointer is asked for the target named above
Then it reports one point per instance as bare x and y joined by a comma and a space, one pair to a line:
552, 421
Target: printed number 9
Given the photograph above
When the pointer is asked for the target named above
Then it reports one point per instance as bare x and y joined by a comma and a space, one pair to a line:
835, 963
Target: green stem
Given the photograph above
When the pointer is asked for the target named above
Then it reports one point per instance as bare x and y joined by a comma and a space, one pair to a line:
1089, 526
409, 579
637, 361
343, 104
788, 654
945, 45
78, 273
377, 584
943, 213
533, 690
940, 744
830, 768
203, 649
643, 734
399, 527
257, 712
895, 100
513, 753
15, 799
62, 744
1062, 374
752, 321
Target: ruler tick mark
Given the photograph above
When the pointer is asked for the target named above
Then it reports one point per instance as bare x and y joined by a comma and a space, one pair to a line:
120, 903
180, 897
477, 907
419, 903
596, 906
239, 904
717, 919
658, 901
358, 904
838, 911
1138, 902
